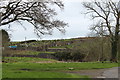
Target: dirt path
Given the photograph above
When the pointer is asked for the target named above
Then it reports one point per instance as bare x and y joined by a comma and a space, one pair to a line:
99, 73
111, 73
91, 73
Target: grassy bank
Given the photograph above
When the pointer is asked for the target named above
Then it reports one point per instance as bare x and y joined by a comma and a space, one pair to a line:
26, 59
27, 52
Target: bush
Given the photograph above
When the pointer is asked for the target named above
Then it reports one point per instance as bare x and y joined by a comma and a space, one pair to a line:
77, 55
63, 55
70, 55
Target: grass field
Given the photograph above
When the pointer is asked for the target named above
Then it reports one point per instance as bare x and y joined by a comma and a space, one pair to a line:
26, 68
26, 52
26, 59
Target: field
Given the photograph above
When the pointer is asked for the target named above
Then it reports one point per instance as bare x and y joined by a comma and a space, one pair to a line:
27, 52
21, 67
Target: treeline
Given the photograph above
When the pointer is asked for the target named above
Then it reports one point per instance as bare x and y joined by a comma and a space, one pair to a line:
97, 49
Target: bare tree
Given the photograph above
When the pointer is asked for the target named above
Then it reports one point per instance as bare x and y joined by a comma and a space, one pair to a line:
107, 14
39, 14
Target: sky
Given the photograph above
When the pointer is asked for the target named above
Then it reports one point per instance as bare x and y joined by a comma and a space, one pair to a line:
72, 14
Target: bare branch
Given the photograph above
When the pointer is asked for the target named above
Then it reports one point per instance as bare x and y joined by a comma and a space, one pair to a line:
90, 8
39, 14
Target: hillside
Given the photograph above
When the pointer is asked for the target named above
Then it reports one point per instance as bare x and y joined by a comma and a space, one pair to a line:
98, 47
61, 43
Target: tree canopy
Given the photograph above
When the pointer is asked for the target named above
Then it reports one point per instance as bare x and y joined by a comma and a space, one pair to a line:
40, 14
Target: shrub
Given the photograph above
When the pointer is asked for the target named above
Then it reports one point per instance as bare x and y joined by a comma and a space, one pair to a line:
62, 55
77, 55
70, 55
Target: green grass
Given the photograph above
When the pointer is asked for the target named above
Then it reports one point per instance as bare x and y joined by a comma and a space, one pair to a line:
25, 52
39, 74
24, 69
25, 59
61, 66
35, 70
47, 52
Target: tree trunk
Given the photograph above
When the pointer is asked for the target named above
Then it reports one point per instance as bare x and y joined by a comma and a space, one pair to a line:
114, 51
114, 43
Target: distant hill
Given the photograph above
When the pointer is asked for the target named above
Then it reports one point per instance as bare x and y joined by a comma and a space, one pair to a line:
95, 48
61, 43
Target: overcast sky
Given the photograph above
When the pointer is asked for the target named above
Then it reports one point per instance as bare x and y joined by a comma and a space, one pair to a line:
72, 14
